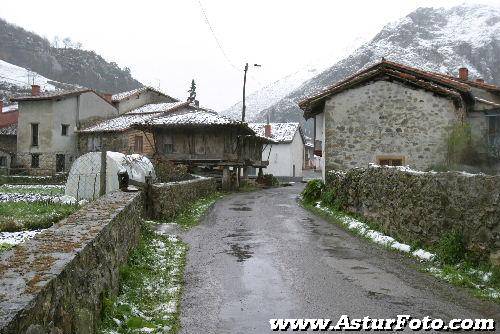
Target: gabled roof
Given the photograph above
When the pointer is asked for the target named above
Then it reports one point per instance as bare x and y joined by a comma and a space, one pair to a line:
9, 130
125, 95
281, 133
440, 84
190, 118
52, 95
134, 116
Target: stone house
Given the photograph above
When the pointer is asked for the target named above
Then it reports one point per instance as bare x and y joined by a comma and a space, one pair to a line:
117, 133
393, 114
48, 123
127, 101
286, 155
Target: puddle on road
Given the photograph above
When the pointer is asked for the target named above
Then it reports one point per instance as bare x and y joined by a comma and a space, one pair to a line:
241, 208
241, 252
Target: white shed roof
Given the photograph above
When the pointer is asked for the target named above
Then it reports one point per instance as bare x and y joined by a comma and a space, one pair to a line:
280, 132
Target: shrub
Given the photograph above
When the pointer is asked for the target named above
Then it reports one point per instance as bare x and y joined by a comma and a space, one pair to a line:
167, 171
268, 180
313, 190
451, 248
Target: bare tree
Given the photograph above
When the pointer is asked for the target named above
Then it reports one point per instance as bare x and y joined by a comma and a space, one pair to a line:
67, 42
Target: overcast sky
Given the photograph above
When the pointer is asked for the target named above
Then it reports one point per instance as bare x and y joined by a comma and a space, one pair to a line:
168, 42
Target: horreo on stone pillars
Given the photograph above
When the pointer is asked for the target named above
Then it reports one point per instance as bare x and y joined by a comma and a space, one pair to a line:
226, 178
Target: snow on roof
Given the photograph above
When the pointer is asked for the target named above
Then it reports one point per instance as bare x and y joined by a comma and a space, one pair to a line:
200, 117
10, 130
123, 95
157, 107
10, 108
280, 132
53, 94
138, 115
21, 77
120, 123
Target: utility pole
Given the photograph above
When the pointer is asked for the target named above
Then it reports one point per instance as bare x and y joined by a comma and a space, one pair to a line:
244, 88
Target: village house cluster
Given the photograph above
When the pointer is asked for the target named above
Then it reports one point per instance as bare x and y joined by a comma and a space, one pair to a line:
45, 132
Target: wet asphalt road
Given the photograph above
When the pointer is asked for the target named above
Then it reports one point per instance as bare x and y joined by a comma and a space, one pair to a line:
259, 255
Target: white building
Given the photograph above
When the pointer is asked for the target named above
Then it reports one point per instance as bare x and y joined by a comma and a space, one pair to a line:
286, 156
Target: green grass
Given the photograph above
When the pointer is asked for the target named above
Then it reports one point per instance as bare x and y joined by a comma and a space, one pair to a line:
152, 281
5, 246
151, 285
191, 215
31, 189
17, 216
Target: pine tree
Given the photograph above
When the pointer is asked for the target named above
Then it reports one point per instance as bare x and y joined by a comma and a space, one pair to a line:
192, 91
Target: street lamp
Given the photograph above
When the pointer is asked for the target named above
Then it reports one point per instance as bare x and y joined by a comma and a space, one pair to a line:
244, 86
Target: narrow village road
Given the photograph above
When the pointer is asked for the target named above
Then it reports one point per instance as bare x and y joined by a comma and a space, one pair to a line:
259, 255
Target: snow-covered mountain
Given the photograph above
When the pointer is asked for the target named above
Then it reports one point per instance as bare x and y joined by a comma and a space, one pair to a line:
18, 80
272, 93
436, 39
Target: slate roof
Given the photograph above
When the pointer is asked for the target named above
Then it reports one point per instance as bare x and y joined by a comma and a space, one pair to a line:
52, 95
440, 84
10, 130
124, 95
134, 116
280, 132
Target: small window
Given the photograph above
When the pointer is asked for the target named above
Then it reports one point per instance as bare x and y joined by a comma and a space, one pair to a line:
34, 134
494, 130
138, 144
3, 161
168, 145
64, 129
391, 161
35, 160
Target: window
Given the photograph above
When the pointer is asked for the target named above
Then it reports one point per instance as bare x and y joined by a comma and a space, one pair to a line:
93, 144
391, 161
34, 134
138, 144
60, 162
168, 146
3, 161
35, 160
64, 129
494, 130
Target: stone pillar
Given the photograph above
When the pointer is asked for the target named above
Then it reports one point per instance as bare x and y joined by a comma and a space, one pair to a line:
261, 172
237, 178
245, 173
226, 179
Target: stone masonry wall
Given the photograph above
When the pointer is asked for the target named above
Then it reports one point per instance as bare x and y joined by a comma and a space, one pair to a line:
417, 206
169, 199
54, 283
386, 119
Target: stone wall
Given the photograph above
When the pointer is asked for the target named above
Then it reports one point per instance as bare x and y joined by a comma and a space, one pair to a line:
168, 199
387, 119
417, 206
55, 282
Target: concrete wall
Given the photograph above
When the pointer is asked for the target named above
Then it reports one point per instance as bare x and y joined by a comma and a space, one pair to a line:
50, 115
169, 198
386, 119
283, 158
140, 100
423, 207
55, 282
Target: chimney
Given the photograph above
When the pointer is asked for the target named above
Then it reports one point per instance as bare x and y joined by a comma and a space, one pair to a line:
108, 97
35, 90
479, 80
267, 130
463, 73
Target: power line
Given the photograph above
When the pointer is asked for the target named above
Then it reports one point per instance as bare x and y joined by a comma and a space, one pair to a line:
217, 41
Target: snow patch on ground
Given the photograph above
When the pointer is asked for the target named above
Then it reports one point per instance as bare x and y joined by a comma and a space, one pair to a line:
31, 198
375, 236
15, 238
